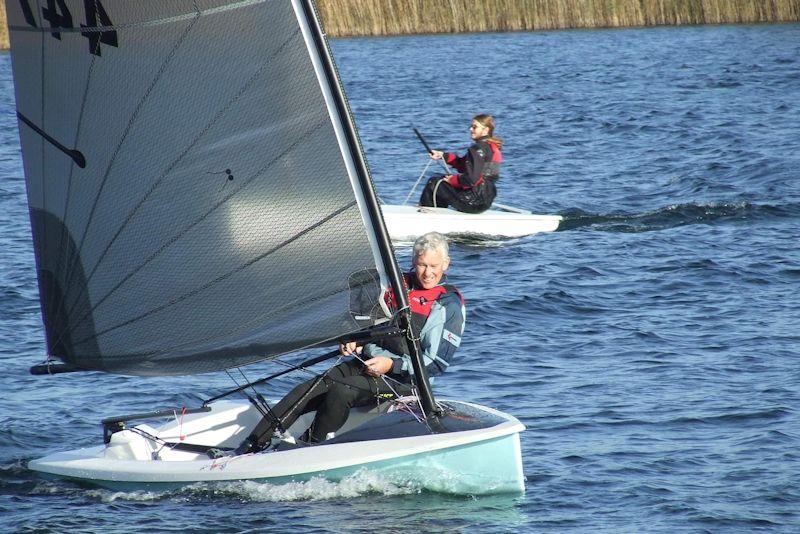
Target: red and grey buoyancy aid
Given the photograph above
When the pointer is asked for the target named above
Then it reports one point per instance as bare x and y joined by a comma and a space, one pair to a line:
481, 162
421, 302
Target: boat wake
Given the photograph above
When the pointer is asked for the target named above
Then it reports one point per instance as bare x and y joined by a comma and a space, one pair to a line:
468, 240
675, 215
361, 483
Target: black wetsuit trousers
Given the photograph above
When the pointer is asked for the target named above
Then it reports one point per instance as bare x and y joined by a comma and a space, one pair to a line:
331, 394
474, 200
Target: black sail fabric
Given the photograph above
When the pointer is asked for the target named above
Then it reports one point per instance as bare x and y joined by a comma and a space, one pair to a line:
191, 204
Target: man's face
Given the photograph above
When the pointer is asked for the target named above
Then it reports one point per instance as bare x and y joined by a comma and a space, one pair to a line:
430, 267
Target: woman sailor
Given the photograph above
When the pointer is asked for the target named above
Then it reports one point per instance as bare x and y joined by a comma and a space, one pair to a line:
473, 189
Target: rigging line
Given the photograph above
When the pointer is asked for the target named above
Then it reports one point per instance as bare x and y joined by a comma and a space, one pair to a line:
222, 111
228, 372
241, 389
225, 276
246, 380
319, 376
386, 378
139, 106
264, 380
256, 404
163, 442
418, 180
358, 357
314, 373
278, 421
258, 400
436, 190
247, 383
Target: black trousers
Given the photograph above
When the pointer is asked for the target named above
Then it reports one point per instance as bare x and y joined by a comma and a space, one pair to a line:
331, 394
474, 200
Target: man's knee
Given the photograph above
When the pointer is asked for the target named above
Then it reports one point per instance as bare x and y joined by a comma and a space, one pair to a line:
342, 394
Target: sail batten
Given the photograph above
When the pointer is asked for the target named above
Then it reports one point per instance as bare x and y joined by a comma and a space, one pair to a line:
218, 219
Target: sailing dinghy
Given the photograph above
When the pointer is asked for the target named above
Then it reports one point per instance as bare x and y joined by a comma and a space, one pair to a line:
406, 222
199, 202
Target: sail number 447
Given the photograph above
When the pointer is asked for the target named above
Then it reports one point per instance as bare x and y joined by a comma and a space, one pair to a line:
58, 16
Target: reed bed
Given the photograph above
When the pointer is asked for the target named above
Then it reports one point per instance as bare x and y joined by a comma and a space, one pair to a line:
397, 17
392, 17
3, 27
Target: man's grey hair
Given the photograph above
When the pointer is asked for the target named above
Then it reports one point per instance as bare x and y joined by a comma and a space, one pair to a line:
432, 241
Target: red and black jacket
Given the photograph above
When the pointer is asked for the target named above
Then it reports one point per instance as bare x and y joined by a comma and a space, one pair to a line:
480, 163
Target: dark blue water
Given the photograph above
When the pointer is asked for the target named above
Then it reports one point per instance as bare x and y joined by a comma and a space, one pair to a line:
651, 347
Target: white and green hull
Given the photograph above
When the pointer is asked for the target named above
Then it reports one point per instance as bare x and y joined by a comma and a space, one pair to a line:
478, 461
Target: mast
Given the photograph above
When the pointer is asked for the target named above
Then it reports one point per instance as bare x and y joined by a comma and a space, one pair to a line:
376, 219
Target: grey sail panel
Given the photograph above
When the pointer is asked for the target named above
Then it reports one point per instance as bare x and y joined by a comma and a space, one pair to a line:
191, 206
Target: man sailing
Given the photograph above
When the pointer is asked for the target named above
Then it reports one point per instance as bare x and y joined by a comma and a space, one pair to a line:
381, 370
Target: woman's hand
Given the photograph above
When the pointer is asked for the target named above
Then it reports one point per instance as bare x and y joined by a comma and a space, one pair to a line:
350, 349
377, 366
436, 154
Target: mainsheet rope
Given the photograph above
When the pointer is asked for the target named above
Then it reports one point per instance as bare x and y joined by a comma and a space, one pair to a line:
424, 171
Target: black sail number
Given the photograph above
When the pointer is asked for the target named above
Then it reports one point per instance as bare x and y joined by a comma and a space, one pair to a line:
27, 12
95, 12
57, 14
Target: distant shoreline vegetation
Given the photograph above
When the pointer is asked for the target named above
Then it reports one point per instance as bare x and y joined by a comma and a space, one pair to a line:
355, 18
358, 18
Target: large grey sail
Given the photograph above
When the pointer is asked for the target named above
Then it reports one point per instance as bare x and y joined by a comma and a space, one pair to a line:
192, 203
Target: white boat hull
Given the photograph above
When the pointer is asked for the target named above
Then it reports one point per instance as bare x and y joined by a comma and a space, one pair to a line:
406, 223
479, 461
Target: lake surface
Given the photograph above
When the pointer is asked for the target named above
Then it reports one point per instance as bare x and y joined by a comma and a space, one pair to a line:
652, 347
